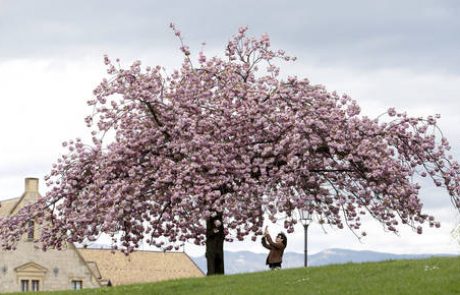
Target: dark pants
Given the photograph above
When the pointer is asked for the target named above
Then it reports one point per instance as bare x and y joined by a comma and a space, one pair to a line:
274, 265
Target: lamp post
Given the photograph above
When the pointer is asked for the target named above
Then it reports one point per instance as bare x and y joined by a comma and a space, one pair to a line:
305, 219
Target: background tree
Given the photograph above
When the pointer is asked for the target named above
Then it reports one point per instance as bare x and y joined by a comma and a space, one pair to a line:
203, 153
456, 233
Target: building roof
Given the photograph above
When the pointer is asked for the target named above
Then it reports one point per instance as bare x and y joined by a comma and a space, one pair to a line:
30, 195
141, 266
7, 205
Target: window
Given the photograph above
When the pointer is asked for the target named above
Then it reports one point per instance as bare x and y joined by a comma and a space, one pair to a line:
77, 285
24, 285
35, 285
30, 230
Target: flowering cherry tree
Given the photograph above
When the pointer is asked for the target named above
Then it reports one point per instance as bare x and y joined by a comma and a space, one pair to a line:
204, 153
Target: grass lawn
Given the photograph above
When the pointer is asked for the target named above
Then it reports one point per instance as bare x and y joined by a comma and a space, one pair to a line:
428, 276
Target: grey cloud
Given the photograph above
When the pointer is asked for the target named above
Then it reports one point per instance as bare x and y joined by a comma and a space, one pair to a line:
415, 34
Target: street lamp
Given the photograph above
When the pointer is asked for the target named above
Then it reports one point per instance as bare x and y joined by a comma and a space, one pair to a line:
305, 219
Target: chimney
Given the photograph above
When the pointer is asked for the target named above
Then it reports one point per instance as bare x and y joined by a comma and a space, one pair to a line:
31, 185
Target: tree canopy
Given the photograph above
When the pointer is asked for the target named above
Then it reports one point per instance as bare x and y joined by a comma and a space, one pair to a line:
229, 136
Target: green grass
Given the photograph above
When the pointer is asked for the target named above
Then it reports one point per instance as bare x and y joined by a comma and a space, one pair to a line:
428, 276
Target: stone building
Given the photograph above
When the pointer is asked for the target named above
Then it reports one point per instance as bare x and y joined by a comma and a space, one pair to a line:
28, 268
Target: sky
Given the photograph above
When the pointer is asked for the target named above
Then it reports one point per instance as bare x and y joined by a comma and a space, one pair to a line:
401, 54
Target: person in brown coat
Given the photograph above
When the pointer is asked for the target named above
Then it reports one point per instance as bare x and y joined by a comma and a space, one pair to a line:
275, 256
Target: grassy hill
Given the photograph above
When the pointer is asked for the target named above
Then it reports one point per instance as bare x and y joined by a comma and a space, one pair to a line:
440, 275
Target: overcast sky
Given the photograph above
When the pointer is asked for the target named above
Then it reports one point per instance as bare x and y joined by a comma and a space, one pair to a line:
401, 54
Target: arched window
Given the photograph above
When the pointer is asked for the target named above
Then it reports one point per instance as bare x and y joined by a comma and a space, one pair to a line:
30, 230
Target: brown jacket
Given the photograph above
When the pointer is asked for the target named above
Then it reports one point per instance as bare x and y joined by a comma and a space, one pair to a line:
276, 250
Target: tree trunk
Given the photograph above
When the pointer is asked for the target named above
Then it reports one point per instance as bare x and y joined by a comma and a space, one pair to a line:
215, 245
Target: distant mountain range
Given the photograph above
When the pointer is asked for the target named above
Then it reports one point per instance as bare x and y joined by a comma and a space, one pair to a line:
246, 261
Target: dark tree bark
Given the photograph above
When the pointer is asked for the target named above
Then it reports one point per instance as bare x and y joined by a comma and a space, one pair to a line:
215, 245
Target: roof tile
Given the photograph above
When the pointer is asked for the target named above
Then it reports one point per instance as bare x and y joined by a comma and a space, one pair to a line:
141, 266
